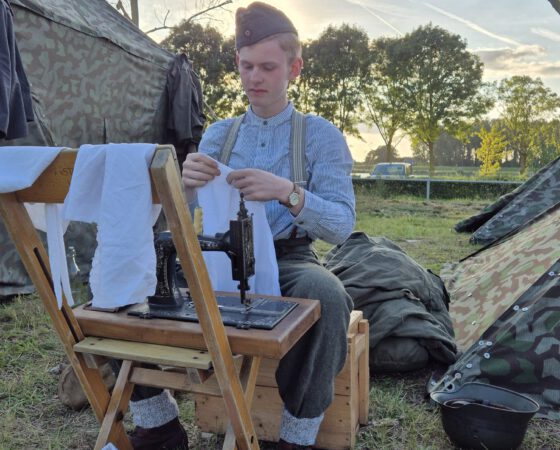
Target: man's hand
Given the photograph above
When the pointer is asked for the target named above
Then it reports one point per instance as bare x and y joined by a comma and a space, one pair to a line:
198, 170
259, 185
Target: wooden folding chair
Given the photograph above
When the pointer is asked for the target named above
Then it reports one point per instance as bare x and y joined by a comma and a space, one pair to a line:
84, 333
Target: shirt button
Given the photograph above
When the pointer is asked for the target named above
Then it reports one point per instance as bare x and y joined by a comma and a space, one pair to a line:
265, 122
262, 144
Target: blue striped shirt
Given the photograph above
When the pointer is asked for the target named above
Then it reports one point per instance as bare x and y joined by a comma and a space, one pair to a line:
328, 211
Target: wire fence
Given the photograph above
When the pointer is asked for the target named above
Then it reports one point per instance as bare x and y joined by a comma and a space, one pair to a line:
435, 188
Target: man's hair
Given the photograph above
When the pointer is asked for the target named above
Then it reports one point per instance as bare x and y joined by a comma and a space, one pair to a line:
289, 42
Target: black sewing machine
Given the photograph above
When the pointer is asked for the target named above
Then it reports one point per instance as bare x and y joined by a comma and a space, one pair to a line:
171, 301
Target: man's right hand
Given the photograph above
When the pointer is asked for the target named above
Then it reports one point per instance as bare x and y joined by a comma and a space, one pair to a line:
198, 169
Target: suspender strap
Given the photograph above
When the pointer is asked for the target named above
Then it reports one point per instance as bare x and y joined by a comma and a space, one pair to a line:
297, 149
297, 146
225, 153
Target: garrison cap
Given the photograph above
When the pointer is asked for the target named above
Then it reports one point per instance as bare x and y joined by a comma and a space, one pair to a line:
258, 21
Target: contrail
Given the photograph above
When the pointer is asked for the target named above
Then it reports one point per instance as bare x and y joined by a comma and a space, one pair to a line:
474, 26
377, 16
546, 34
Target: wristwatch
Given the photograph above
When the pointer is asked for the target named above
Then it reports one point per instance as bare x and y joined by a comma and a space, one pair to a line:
294, 198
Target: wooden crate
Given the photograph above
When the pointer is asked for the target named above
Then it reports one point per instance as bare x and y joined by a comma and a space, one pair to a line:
349, 408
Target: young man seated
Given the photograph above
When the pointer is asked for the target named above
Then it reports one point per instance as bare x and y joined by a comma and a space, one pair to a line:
269, 57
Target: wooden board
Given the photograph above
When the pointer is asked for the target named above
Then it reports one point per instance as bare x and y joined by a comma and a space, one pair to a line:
147, 353
350, 406
337, 431
273, 343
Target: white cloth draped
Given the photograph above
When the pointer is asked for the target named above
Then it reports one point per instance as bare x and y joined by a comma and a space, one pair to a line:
19, 168
220, 204
111, 187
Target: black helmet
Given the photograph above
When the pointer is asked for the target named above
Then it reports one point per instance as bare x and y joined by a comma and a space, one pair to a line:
482, 416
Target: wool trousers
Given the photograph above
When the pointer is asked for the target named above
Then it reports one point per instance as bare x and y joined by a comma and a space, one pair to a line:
306, 374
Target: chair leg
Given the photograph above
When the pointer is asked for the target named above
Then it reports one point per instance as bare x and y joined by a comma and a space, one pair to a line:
248, 378
112, 429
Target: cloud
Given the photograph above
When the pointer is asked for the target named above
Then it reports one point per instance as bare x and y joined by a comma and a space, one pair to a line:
526, 59
543, 32
474, 26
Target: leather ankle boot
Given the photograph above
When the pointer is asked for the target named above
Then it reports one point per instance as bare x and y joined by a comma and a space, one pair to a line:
283, 445
169, 436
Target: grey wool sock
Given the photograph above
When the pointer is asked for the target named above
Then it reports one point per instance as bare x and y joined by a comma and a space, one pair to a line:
154, 411
299, 431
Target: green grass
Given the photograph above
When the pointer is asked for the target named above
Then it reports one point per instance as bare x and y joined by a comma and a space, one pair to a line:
32, 417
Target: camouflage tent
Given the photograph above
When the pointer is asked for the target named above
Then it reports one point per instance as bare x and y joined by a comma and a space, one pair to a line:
505, 306
511, 211
95, 78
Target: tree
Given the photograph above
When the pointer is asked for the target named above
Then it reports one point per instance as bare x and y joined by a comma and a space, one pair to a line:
206, 6
524, 103
439, 83
547, 144
448, 150
336, 66
382, 99
376, 156
491, 150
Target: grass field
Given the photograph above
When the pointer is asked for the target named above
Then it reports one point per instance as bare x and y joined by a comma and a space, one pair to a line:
32, 417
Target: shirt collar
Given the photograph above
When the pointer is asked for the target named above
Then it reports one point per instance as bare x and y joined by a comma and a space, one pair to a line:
252, 119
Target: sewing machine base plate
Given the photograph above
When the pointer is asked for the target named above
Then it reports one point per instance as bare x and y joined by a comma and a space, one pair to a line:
263, 313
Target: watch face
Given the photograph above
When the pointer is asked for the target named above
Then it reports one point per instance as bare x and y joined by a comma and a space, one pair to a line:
293, 199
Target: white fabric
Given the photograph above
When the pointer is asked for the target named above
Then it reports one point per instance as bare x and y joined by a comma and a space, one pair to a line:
48, 218
19, 168
220, 204
110, 446
111, 186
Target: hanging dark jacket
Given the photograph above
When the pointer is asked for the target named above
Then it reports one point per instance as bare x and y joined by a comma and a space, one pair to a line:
15, 95
185, 117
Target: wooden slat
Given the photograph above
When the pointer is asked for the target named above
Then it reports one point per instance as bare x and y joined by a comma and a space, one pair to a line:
52, 185
147, 353
363, 371
248, 376
115, 412
171, 380
355, 317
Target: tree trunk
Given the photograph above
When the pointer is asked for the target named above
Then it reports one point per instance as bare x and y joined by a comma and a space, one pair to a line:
389, 151
432, 158
522, 162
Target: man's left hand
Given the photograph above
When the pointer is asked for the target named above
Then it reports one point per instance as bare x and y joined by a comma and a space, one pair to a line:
259, 185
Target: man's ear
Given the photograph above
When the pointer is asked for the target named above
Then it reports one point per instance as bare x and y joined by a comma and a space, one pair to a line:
236, 58
295, 68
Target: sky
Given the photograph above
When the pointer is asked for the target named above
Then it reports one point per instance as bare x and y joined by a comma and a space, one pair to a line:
512, 37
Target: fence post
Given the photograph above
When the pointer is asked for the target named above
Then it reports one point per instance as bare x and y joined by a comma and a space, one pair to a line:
428, 189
